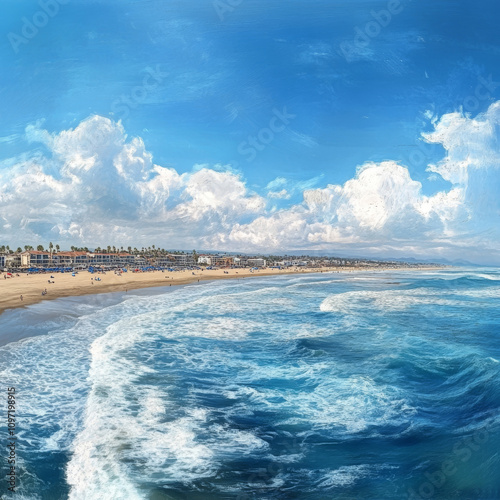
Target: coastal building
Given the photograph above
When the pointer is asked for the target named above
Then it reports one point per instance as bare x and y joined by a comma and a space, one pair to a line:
101, 259
112, 260
10, 261
175, 260
140, 261
222, 261
70, 259
205, 259
256, 262
127, 259
13, 261
35, 258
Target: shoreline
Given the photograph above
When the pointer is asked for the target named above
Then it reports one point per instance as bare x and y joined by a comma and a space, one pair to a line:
84, 283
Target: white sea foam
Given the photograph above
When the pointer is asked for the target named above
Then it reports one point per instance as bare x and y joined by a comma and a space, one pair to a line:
491, 277
115, 434
132, 430
343, 476
351, 405
492, 292
384, 300
49, 372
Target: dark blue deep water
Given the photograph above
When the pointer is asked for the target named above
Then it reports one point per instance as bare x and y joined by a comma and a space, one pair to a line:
325, 386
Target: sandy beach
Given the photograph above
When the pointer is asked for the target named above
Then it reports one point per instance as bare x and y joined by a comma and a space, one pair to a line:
31, 286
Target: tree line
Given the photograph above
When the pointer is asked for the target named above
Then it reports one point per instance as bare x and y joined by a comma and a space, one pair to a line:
151, 250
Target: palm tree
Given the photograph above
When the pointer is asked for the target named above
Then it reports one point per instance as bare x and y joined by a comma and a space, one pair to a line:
57, 248
40, 248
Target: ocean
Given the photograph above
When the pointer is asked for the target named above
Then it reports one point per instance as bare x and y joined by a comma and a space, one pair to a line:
348, 386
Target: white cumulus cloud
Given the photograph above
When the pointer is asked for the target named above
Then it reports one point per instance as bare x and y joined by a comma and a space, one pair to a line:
93, 185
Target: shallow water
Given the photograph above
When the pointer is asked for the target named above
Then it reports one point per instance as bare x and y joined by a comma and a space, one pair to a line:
345, 386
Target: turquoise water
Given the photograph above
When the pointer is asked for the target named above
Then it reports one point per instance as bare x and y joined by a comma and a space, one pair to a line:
326, 386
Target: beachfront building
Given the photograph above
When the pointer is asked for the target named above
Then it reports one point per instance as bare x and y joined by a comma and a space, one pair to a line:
139, 261
222, 261
35, 258
258, 262
127, 259
205, 259
12, 261
175, 260
296, 263
101, 259
70, 259
111, 260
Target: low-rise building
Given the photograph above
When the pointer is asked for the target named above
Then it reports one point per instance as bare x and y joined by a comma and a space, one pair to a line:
111, 260
205, 259
256, 262
35, 258
70, 259
13, 261
222, 260
175, 260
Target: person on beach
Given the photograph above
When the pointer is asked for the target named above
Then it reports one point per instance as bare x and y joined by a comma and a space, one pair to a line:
21, 298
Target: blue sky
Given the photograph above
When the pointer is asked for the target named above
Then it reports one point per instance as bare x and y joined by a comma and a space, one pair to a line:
196, 80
